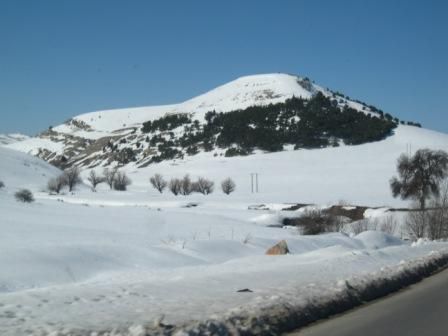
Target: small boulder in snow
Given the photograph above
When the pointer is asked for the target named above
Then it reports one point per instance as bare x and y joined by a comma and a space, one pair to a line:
278, 249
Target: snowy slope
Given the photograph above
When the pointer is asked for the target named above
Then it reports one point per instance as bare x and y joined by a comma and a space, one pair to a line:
7, 139
19, 170
101, 272
67, 266
357, 174
238, 94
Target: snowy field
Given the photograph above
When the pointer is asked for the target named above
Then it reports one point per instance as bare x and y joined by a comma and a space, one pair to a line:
114, 259
355, 174
95, 267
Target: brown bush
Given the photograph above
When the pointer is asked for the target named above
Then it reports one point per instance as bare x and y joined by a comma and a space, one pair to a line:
313, 222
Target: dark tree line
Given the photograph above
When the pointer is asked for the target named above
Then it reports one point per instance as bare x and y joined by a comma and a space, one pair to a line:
314, 123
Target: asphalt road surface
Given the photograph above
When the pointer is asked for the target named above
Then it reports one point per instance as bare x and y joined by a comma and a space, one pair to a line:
421, 309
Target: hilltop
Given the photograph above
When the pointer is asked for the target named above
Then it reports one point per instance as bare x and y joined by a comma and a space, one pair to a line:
265, 112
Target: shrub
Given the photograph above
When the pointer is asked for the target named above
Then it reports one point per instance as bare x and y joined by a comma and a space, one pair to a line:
72, 177
24, 195
158, 182
388, 225
95, 179
2, 185
186, 187
363, 225
233, 151
166, 123
192, 150
175, 186
417, 222
125, 155
56, 184
203, 186
313, 222
121, 181
228, 186
109, 176
431, 222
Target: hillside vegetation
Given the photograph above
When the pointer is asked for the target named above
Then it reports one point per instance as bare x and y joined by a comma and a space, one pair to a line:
315, 123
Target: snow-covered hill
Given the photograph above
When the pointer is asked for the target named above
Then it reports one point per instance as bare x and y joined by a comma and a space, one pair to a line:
20, 170
82, 139
96, 139
7, 139
238, 94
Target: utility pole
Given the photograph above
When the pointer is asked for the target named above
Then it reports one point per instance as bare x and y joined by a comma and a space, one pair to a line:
254, 182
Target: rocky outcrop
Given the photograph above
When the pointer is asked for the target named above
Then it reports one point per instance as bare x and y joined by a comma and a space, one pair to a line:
280, 248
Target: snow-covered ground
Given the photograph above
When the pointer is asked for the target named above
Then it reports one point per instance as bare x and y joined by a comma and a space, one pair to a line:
7, 139
356, 174
111, 259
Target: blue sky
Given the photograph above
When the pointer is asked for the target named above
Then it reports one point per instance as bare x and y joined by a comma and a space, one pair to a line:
62, 58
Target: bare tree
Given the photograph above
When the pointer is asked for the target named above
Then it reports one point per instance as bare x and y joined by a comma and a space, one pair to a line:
72, 177
362, 225
186, 186
95, 179
417, 221
420, 175
56, 184
109, 176
158, 182
388, 224
203, 186
121, 181
228, 186
175, 186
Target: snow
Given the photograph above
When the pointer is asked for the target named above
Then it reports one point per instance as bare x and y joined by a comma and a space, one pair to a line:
238, 94
284, 177
6, 139
91, 135
33, 145
358, 174
109, 260
19, 170
244, 92
377, 240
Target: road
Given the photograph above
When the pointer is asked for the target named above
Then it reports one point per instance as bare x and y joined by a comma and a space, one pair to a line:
421, 309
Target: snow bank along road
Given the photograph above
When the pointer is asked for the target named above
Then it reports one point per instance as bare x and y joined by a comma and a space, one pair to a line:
418, 310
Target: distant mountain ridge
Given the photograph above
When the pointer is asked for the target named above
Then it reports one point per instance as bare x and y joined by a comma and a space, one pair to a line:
141, 136
7, 139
